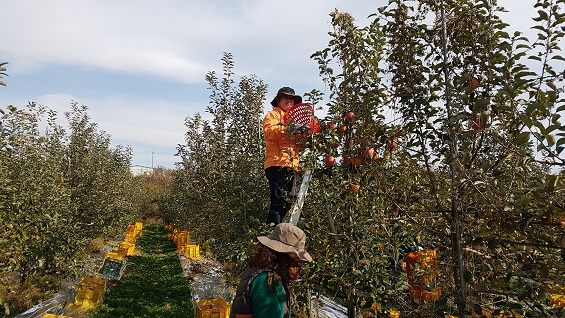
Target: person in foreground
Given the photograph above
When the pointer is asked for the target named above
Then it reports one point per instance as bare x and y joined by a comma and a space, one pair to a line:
263, 291
281, 158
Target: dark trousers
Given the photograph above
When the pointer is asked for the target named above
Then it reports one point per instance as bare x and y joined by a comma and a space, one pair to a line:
280, 185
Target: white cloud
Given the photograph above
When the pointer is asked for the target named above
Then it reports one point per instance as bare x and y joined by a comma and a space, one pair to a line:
144, 125
178, 40
181, 40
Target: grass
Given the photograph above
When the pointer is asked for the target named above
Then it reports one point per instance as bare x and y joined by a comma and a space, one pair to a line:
153, 284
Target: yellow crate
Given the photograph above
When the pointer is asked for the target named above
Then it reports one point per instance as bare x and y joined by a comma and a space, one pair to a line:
89, 293
138, 228
190, 251
126, 248
182, 238
394, 313
114, 255
53, 316
131, 229
558, 300
212, 308
130, 237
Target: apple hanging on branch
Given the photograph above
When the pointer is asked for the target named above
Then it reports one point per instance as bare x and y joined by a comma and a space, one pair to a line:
349, 116
329, 160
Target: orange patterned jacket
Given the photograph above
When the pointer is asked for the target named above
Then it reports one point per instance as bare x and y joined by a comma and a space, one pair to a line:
279, 152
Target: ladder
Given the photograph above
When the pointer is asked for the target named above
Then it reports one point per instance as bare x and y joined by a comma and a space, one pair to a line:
297, 207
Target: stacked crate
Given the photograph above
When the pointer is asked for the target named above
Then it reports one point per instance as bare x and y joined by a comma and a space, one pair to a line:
182, 241
126, 248
421, 269
131, 234
138, 228
91, 290
205, 308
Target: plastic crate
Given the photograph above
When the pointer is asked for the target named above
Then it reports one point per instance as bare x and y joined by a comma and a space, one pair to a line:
112, 268
190, 251
138, 228
114, 255
131, 234
182, 238
130, 237
212, 308
126, 248
89, 293
423, 294
131, 229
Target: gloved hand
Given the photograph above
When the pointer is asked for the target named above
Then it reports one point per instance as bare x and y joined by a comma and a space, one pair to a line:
298, 129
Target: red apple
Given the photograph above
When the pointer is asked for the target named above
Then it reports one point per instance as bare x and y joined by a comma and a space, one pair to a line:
369, 152
392, 144
349, 116
353, 187
329, 160
478, 123
356, 161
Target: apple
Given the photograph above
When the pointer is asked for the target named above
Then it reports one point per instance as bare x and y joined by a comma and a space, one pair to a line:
332, 125
329, 160
392, 144
293, 273
353, 187
341, 129
349, 116
478, 123
356, 161
346, 159
369, 152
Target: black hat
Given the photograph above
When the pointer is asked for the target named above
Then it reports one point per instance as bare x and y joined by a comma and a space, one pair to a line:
286, 91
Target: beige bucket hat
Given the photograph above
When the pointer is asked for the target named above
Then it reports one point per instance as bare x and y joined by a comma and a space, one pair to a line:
287, 238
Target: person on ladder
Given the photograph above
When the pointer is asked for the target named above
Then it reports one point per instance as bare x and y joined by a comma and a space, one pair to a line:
281, 158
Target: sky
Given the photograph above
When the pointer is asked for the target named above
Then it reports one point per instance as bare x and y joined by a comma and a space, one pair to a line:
140, 65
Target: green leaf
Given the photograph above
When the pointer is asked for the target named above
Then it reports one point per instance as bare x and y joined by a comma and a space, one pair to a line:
477, 309
550, 139
543, 15
552, 183
544, 271
522, 138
